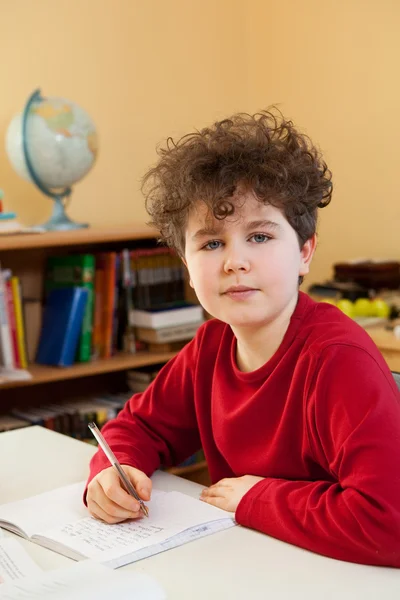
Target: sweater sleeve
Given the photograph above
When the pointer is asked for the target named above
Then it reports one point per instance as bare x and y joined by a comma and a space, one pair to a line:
158, 426
353, 417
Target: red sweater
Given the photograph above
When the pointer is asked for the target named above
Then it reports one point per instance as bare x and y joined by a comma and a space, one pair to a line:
320, 421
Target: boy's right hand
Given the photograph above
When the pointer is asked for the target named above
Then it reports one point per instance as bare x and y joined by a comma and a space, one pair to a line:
108, 501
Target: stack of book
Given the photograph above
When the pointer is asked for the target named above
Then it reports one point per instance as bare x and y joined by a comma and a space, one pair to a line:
71, 418
138, 380
161, 327
8, 423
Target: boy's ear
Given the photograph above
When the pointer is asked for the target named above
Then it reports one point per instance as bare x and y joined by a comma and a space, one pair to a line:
307, 253
185, 263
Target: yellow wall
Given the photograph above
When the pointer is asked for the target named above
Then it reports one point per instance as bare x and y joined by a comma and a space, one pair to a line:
143, 69
333, 67
148, 69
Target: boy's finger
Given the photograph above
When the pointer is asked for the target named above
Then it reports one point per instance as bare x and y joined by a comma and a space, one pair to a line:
102, 513
140, 481
111, 488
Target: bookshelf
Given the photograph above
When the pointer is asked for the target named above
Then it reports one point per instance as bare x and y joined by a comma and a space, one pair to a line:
120, 362
79, 237
26, 256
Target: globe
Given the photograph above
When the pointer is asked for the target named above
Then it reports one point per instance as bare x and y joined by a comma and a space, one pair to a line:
53, 144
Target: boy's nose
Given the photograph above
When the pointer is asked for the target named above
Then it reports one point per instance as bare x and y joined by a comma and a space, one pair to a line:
236, 263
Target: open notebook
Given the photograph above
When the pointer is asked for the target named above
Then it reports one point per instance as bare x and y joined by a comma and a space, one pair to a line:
58, 520
83, 581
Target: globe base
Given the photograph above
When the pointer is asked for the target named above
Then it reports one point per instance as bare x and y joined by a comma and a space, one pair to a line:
59, 220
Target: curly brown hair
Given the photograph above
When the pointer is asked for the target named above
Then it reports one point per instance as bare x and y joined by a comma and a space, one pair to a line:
262, 152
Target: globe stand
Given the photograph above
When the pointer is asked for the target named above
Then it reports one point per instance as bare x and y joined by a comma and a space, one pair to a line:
59, 220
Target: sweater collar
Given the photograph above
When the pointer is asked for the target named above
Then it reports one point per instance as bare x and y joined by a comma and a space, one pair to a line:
304, 305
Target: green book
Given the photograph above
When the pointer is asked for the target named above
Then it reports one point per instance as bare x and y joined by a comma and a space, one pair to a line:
76, 270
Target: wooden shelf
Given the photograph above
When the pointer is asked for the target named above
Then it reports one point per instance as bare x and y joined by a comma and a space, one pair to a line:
384, 338
197, 472
77, 237
388, 345
119, 362
182, 471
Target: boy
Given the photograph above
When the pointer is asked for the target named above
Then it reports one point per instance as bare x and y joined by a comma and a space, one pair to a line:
296, 411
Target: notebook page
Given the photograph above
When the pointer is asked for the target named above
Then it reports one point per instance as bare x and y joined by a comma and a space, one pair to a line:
46, 510
194, 533
170, 513
15, 562
82, 581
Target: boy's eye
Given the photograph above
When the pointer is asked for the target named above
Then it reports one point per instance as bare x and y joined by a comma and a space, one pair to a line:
260, 238
212, 245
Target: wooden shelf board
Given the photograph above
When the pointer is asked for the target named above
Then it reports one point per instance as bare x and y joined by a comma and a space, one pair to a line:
188, 469
77, 237
119, 362
384, 339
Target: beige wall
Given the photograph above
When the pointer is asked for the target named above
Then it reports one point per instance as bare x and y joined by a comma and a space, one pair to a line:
143, 69
333, 67
147, 69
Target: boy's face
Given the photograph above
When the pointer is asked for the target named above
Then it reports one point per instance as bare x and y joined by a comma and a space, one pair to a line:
245, 268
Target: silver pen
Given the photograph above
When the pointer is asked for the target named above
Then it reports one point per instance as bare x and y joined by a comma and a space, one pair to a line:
115, 463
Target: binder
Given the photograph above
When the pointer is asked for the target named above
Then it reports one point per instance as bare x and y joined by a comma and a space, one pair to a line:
62, 324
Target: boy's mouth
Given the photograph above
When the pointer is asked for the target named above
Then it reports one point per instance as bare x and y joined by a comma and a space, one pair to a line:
239, 292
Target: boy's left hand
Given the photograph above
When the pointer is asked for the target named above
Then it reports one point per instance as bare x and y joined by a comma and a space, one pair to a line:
227, 493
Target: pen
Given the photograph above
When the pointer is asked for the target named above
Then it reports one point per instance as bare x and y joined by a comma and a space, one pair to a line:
115, 463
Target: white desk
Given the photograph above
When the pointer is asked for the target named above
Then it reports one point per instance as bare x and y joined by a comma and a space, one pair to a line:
237, 563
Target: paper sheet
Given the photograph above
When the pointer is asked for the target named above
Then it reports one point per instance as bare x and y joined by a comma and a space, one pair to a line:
15, 562
47, 510
171, 513
83, 581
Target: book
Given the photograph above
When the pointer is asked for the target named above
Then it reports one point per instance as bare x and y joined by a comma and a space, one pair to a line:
187, 313
137, 386
15, 563
6, 343
107, 262
73, 271
126, 324
174, 333
79, 581
158, 277
146, 373
8, 423
98, 338
7, 374
32, 310
19, 321
62, 323
12, 322
59, 521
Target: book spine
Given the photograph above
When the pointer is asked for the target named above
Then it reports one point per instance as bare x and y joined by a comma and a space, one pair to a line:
128, 335
168, 318
84, 353
16, 290
12, 323
109, 300
116, 302
98, 330
168, 334
76, 319
5, 333
75, 271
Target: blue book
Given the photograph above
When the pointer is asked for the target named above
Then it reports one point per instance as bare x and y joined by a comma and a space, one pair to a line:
62, 324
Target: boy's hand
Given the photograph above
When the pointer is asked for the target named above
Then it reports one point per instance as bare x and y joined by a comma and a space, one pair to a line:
108, 501
227, 493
